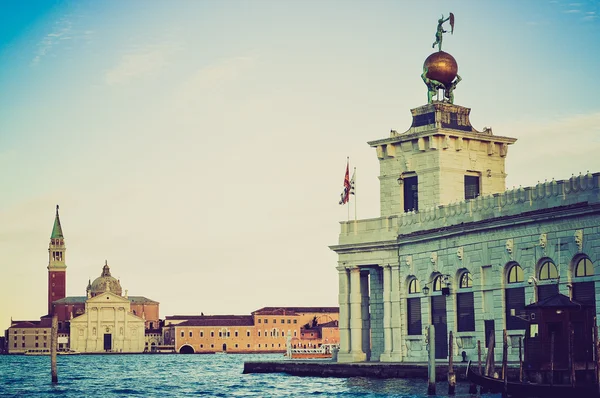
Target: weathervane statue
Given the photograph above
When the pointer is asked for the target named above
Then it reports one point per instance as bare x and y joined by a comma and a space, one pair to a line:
439, 34
440, 70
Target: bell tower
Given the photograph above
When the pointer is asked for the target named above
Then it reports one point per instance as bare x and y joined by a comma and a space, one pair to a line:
57, 269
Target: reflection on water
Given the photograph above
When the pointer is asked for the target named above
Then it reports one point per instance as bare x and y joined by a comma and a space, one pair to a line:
186, 375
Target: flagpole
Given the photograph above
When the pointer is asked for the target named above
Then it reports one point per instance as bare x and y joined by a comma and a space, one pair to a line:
355, 200
347, 163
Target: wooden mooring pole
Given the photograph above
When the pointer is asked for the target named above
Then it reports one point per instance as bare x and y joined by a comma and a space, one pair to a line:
505, 359
597, 354
451, 374
53, 347
520, 360
473, 386
431, 338
572, 354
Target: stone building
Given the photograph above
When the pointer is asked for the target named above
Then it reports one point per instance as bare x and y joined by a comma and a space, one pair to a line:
453, 248
264, 331
103, 320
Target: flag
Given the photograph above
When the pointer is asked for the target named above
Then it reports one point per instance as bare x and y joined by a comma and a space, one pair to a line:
345, 196
353, 183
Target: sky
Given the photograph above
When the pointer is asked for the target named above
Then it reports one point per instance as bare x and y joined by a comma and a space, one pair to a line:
200, 146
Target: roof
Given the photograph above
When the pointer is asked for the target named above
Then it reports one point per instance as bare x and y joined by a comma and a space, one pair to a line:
294, 310
26, 324
190, 317
56, 229
83, 299
555, 301
236, 320
332, 324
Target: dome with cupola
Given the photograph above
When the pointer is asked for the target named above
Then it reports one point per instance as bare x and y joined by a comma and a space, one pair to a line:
105, 283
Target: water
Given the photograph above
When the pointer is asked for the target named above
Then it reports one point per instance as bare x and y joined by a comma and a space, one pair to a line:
186, 376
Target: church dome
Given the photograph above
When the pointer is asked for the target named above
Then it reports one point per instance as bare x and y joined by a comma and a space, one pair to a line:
105, 283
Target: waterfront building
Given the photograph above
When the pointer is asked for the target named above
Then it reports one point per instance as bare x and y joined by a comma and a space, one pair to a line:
452, 246
103, 320
266, 330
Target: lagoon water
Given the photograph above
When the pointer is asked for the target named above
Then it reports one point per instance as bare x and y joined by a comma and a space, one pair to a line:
186, 376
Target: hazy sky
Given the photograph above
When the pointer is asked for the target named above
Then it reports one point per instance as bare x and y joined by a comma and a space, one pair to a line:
200, 146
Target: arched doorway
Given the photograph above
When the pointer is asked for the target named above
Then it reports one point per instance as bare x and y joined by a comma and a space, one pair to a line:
224, 347
186, 349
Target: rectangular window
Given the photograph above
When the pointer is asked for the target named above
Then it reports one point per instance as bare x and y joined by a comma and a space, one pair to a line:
236, 346
471, 187
228, 334
266, 321
489, 329
295, 321
247, 345
289, 321
212, 334
414, 315
465, 312
248, 333
236, 333
182, 333
190, 333
515, 308
259, 320
283, 321
201, 334
220, 334
212, 346
259, 333
411, 194
201, 345
15, 345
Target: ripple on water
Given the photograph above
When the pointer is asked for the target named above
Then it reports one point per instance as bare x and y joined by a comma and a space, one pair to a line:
185, 375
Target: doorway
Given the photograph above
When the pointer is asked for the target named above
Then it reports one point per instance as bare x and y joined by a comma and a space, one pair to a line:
107, 342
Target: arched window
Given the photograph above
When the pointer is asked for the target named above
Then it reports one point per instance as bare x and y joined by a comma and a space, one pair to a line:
548, 271
413, 286
514, 299
584, 267
465, 308
437, 283
466, 280
515, 274
413, 306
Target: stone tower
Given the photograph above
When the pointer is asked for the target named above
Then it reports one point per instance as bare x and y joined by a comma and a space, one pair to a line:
57, 269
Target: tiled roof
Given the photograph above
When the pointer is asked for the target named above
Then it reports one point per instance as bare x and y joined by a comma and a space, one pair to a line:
296, 310
557, 300
236, 320
82, 300
26, 324
190, 317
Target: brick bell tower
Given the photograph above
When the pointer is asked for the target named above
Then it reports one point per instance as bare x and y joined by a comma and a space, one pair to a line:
57, 269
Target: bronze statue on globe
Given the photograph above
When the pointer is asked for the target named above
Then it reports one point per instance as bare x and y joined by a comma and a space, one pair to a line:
440, 70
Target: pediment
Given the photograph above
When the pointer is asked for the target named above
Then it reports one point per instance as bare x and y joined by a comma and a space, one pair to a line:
107, 297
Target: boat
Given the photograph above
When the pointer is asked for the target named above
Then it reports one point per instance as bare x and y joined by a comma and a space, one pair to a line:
527, 389
45, 351
558, 360
322, 352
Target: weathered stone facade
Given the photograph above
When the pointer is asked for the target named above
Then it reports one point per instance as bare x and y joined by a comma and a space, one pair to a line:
470, 244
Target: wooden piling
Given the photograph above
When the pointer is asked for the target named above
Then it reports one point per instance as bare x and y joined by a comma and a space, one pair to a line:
505, 359
552, 358
451, 374
572, 354
489, 362
597, 354
520, 360
473, 386
431, 385
53, 347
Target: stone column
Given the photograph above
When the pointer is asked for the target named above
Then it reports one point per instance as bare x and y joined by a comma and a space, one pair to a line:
356, 352
396, 313
344, 322
387, 314
365, 315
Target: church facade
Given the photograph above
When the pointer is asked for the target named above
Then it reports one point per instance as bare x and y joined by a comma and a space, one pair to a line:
104, 320
453, 248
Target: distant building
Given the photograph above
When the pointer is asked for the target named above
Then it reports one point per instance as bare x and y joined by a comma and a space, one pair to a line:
264, 331
103, 320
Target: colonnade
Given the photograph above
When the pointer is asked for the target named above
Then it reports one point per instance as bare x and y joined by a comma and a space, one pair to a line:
370, 321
